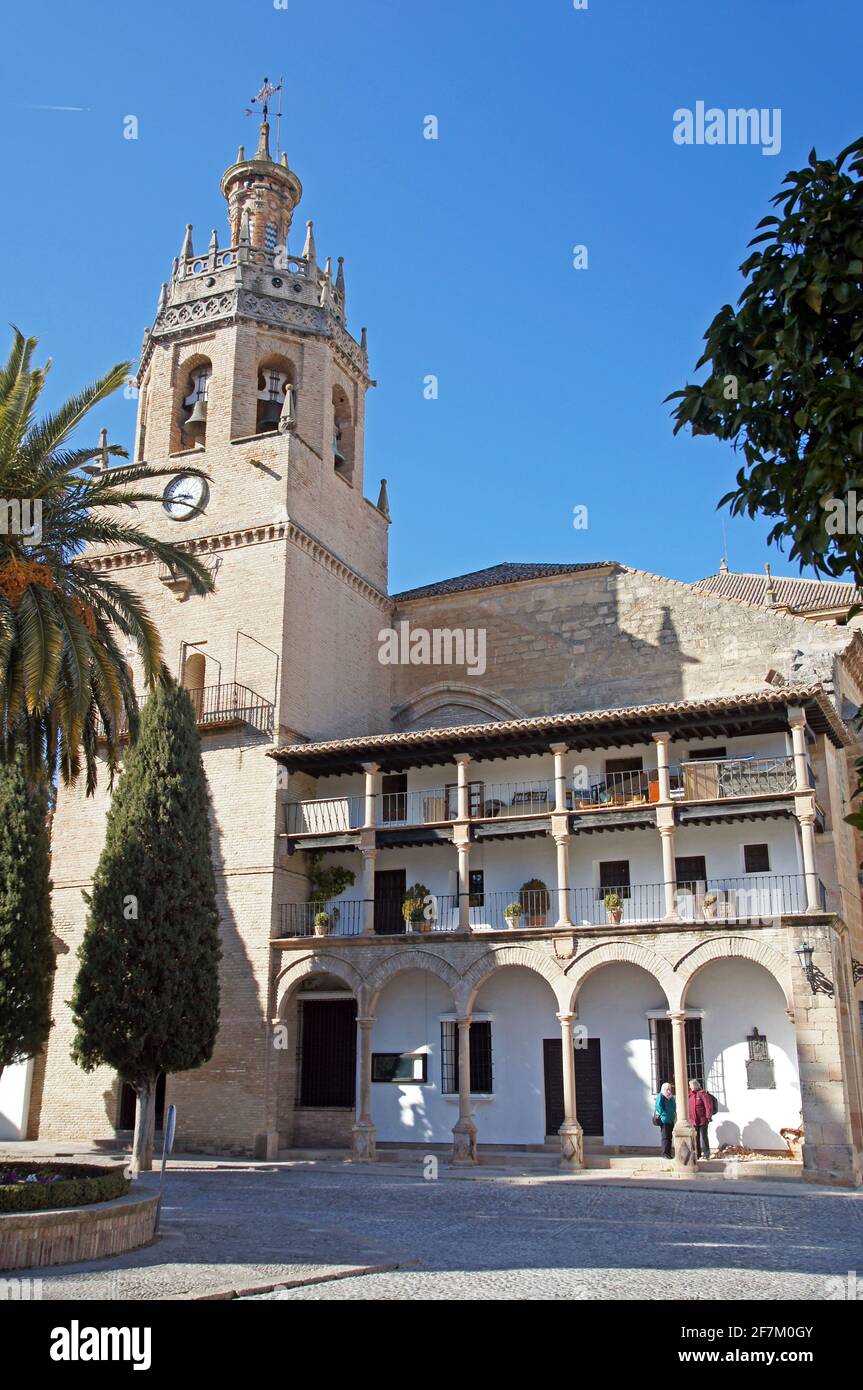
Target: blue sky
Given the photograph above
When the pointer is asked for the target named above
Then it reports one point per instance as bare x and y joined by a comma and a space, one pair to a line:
555, 129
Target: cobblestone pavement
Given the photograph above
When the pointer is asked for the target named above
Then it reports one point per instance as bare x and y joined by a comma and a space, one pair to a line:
540, 1238
482, 1234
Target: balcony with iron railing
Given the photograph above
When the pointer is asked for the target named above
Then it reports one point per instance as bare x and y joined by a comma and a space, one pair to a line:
742, 778
219, 707
756, 898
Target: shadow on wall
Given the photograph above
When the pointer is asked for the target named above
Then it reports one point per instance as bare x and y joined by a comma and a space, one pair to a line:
549, 648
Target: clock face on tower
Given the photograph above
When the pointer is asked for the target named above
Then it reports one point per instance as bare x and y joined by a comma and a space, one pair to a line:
185, 496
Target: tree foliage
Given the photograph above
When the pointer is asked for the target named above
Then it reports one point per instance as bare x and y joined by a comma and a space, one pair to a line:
63, 671
785, 383
146, 999
26, 948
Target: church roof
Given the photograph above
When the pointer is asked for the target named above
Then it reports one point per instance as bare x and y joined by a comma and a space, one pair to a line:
808, 595
507, 573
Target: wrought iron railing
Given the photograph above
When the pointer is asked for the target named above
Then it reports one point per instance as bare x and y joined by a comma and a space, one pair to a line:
510, 799
321, 918
715, 779
219, 706
324, 816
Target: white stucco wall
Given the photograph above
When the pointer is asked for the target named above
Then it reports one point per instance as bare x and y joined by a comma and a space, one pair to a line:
735, 996
15, 1099
614, 1006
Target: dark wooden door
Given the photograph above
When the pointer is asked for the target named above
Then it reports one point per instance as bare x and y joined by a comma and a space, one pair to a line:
588, 1085
328, 1062
390, 887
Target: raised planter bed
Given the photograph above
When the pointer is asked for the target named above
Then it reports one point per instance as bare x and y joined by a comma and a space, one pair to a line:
77, 1211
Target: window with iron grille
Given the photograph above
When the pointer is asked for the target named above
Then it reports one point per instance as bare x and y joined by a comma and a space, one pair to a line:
477, 888
662, 1052
481, 1077
614, 877
756, 859
690, 870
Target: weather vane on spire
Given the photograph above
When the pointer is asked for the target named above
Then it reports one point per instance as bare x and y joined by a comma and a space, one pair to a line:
267, 91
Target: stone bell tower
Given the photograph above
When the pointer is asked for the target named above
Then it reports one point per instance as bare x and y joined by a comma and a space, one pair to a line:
249, 374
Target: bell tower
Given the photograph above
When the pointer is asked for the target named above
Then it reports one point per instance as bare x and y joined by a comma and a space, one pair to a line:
250, 376
250, 372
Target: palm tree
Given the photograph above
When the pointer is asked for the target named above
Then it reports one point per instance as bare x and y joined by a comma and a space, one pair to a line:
62, 672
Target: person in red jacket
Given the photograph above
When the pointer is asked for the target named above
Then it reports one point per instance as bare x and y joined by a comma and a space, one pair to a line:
701, 1107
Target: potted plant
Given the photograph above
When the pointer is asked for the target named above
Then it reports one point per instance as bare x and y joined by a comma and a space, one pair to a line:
614, 906
327, 882
513, 914
415, 908
535, 901
709, 904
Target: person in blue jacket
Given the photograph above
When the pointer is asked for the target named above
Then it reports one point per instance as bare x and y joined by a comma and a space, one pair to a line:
666, 1113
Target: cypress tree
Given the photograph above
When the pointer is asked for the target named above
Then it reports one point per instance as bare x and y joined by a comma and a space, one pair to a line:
146, 998
26, 947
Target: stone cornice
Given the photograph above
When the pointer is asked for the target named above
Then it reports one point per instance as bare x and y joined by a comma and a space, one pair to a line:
265, 533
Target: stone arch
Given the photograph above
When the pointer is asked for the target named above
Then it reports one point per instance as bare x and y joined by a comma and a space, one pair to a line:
731, 948
194, 376
502, 956
619, 953
277, 375
411, 959
292, 975
431, 699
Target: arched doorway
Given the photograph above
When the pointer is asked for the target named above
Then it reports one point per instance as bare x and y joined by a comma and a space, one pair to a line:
750, 1052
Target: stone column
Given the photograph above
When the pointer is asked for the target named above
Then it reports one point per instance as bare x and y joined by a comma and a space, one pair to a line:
561, 840
363, 1133
804, 810
797, 722
372, 786
685, 1152
669, 872
559, 750
370, 854
461, 838
464, 1130
571, 1134
662, 741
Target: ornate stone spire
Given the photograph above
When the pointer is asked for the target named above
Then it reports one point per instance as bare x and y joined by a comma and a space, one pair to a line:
187, 249
263, 150
309, 249
340, 277
384, 501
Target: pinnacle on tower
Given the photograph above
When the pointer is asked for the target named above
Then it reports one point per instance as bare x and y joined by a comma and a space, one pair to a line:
340, 277
245, 236
263, 150
384, 501
309, 250
187, 248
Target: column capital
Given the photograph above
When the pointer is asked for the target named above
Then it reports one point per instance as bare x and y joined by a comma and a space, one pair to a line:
463, 1019
462, 759
666, 828
365, 1020
662, 737
558, 747
796, 716
677, 1015
566, 1020
371, 768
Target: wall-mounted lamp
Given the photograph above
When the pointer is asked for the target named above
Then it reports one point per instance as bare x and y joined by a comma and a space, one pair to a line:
805, 952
